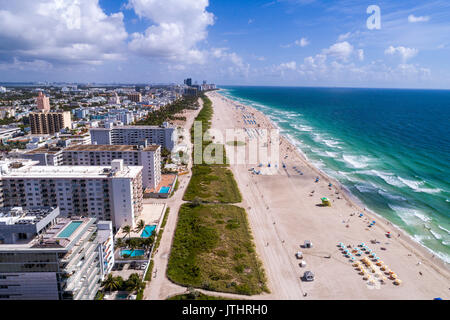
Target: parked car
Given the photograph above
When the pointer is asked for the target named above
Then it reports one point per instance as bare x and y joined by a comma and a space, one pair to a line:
143, 266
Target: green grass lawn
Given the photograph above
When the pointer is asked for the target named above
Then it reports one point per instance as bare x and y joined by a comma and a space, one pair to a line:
212, 184
213, 249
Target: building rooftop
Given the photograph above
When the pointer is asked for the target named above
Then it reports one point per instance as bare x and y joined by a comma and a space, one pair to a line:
74, 172
45, 149
21, 216
94, 147
132, 127
61, 235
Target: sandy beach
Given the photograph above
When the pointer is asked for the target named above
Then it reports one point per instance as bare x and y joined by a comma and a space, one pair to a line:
284, 210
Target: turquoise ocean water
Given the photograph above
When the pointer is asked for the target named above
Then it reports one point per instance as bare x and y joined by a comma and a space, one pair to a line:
390, 148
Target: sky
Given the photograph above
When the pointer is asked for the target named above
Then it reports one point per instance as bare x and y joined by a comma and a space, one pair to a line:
228, 42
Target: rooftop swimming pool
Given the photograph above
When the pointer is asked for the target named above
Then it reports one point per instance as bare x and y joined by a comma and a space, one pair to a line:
132, 253
164, 190
70, 229
148, 230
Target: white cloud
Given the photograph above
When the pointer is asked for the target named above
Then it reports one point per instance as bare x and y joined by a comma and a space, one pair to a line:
259, 58
224, 55
178, 26
303, 42
344, 36
35, 65
403, 52
412, 18
340, 50
59, 32
292, 65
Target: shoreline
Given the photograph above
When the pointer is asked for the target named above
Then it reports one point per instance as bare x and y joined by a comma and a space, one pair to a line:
406, 241
347, 194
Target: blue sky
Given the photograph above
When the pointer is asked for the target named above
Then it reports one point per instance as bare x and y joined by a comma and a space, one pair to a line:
280, 42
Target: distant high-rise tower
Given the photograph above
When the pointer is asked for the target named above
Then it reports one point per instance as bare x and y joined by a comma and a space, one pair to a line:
45, 122
43, 102
135, 96
188, 82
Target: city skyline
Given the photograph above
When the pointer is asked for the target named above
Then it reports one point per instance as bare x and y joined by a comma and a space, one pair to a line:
284, 42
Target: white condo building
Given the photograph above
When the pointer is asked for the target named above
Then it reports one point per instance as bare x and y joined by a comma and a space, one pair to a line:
134, 135
105, 239
111, 193
149, 157
46, 257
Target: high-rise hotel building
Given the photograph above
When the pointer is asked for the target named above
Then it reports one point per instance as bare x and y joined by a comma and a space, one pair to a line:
111, 192
46, 122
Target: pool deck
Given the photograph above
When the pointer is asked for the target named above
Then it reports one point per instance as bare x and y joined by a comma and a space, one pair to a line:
152, 214
167, 180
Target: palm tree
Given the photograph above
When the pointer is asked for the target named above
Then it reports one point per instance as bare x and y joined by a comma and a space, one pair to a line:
148, 242
134, 283
119, 243
140, 226
127, 230
111, 283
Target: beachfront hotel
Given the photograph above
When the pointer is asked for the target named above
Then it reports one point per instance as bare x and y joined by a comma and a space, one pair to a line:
149, 157
112, 193
46, 122
134, 135
46, 257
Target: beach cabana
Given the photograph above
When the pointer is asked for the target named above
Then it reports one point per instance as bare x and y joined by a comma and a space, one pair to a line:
326, 202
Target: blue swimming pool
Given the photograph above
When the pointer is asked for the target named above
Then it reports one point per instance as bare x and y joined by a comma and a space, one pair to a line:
132, 253
70, 229
164, 190
148, 230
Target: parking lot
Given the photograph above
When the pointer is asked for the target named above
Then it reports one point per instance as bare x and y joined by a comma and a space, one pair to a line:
126, 269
